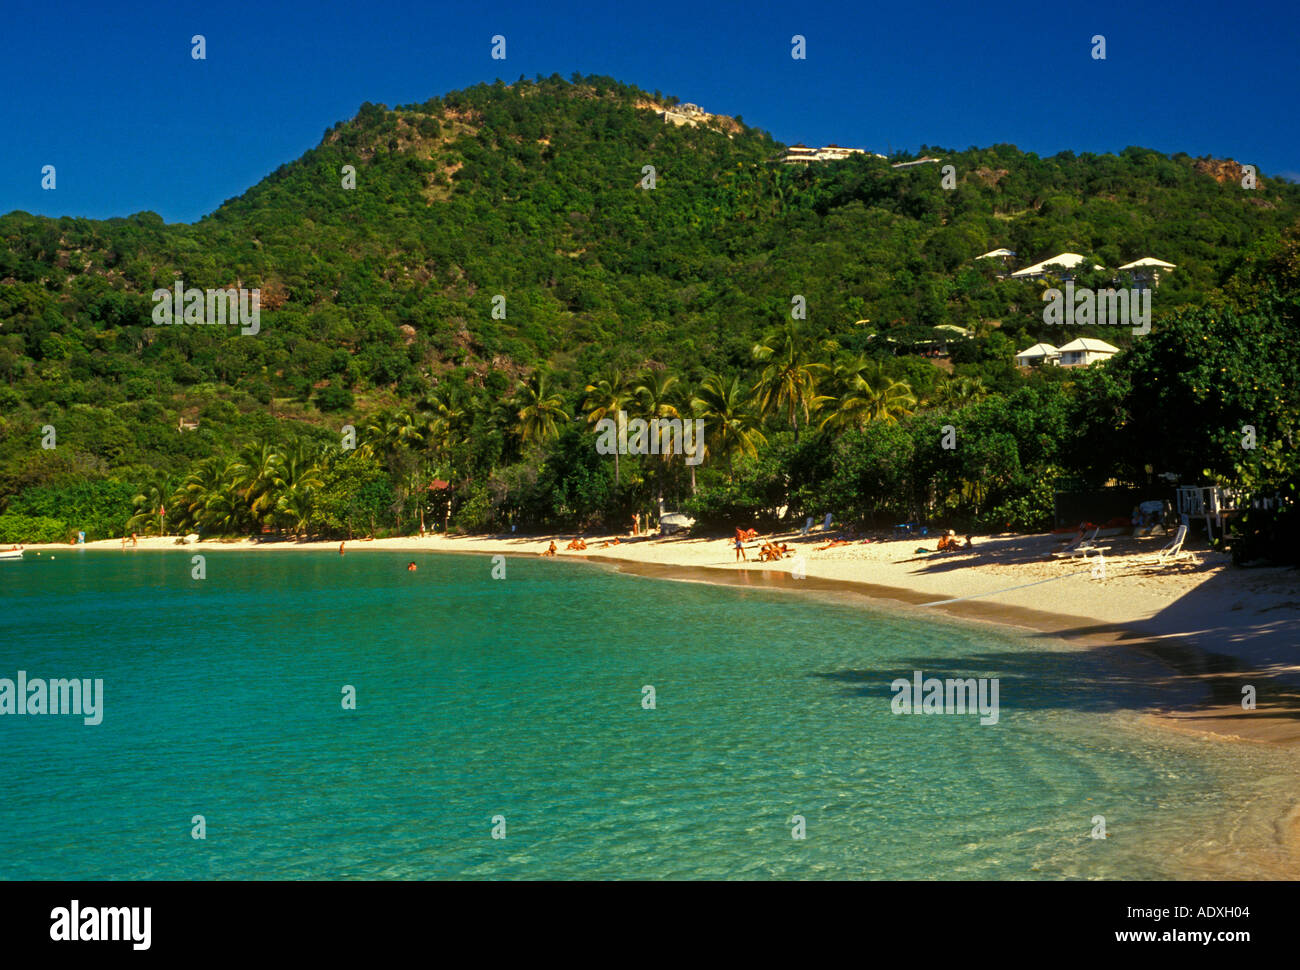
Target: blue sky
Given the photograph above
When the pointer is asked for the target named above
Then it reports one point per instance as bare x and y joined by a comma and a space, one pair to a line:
110, 95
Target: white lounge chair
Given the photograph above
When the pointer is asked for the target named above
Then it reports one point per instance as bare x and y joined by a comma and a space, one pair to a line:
827, 524
1081, 546
807, 526
1171, 553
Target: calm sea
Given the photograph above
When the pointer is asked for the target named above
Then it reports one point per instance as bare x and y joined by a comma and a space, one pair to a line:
516, 704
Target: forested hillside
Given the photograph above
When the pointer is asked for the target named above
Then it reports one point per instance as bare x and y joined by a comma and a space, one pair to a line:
380, 310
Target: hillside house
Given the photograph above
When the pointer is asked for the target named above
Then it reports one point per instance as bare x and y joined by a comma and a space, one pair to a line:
1059, 266
1038, 355
1085, 351
1146, 271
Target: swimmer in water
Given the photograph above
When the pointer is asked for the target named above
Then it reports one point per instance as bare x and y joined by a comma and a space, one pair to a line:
411, 567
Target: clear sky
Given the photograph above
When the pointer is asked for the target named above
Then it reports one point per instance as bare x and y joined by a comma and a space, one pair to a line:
110, 95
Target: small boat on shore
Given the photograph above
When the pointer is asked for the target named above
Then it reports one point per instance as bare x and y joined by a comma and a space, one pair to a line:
10, 554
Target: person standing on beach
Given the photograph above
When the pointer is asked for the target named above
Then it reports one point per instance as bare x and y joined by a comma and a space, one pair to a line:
340, 548
740, 546
636, 523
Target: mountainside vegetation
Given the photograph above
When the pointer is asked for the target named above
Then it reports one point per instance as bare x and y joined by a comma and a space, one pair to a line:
501, 277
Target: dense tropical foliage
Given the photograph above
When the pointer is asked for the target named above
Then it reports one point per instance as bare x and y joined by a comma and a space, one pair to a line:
438, 344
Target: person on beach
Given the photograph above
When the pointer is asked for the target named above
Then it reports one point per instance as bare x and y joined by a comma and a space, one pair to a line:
611, 542
551, 551
340, 548
636, 523
740, 546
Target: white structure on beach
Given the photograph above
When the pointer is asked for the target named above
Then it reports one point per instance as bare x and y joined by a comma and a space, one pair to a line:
1085, 351
1037, 355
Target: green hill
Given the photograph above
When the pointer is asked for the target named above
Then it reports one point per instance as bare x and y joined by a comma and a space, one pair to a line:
378, 307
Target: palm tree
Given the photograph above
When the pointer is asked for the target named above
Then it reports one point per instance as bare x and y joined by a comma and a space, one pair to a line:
657, 398
389, 434
884, 400
961, 391
149, 503
733, 426
297, 479
254, 479
607, 395
205, 479
789, 381
538, 410
445, 425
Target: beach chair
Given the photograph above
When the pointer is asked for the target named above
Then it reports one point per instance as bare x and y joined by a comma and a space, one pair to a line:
1171, 553
827, 524
1081, 546
807, 526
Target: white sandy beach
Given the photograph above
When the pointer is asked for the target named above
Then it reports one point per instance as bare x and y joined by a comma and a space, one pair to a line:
1204, 620
1195, 633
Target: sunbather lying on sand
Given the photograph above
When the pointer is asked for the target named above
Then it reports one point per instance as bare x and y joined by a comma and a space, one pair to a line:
578, 545
611, 542
833, 543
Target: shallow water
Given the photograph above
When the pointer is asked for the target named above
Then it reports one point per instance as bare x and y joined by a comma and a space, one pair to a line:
522, 698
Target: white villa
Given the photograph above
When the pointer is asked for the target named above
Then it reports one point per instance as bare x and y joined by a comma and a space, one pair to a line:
1085, 351
1061, 261
1037, 355
1147, 270
802, 154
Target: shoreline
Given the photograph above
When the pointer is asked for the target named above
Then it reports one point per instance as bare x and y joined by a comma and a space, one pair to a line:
1193, 635
1174, 616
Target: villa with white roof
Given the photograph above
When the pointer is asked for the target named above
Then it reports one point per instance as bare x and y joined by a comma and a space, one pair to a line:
1143, 272
1058, 265
802, 154
1037, 355
1085, 351
1146, 271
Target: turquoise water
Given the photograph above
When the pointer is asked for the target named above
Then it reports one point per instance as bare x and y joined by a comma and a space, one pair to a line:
522, 697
